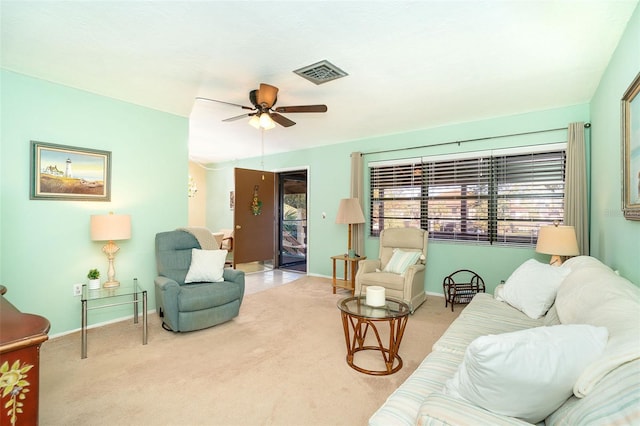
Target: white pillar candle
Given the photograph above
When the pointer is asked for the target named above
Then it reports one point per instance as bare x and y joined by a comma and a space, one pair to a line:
375, 296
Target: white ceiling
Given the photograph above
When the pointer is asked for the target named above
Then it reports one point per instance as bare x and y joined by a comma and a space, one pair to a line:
411, 64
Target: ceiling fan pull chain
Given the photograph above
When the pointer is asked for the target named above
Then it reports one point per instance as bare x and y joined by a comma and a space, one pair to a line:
262, 149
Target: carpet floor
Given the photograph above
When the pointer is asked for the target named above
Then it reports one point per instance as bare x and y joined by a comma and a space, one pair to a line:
280, 362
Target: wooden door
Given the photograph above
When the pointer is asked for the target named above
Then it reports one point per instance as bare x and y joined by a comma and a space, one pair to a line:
254, 216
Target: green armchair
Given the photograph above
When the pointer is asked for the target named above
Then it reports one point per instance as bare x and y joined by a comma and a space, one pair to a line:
192, 306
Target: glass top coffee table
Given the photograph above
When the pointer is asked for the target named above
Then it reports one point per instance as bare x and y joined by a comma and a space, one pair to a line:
358, 319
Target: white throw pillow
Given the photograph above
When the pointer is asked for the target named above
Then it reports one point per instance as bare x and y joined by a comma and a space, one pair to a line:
533, 286
526, 374
206, 266
401, 260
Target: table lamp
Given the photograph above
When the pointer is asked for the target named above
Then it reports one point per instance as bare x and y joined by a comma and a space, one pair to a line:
350, 212
558, 241
110, 227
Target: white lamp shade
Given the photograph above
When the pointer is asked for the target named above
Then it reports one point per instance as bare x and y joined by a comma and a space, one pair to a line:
557, 240
110, 227
349, 211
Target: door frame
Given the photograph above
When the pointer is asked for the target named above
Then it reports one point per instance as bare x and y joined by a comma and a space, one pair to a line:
278, 226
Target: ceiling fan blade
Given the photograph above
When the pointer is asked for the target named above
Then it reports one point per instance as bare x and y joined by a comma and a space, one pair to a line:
303, 108
267, 95
238, 117
282, 120
223, 102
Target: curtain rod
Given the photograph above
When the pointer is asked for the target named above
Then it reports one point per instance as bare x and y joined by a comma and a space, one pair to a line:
586, 126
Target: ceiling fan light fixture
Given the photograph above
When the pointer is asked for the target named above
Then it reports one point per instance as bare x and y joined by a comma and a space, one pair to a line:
255, 122
266, 122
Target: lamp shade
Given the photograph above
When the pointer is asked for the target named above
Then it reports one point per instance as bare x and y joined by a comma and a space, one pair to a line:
557, 240
110, 227
349, 211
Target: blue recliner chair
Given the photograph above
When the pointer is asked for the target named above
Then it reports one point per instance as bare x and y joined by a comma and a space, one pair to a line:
194, 306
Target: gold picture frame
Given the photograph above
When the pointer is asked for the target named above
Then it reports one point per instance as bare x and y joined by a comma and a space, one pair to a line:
630, 113
60, 172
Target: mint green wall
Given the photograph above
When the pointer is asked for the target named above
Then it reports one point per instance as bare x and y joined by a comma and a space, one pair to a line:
614, 240
329, 174
45, 245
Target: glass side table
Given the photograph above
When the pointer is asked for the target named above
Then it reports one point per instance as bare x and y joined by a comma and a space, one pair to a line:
358, 319
115, 296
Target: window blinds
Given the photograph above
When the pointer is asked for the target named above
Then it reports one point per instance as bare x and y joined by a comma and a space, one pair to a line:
495, 197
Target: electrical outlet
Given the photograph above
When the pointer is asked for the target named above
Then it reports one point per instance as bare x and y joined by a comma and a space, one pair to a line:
77, 289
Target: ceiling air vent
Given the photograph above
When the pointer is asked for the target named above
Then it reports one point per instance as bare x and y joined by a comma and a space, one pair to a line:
321, 72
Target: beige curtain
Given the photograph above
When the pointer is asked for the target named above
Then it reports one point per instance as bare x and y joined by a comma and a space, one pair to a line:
357, 191
575, 196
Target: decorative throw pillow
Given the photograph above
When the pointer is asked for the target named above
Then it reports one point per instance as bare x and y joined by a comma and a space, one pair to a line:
526, 374
533, 286
401, 260
206, 266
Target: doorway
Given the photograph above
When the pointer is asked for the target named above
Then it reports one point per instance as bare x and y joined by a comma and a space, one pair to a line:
292, 220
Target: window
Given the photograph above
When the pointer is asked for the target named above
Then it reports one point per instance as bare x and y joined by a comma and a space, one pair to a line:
457, 198
494, 197
396, 196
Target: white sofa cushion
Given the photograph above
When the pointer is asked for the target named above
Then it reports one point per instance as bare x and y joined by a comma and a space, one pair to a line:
526, 374
207, 266
532, 287
594, 294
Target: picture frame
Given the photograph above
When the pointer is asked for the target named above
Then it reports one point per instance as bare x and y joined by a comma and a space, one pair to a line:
630, 112
61, 172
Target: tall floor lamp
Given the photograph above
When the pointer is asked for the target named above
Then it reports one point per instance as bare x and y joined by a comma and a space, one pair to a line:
558, 241
110, 227
350, 212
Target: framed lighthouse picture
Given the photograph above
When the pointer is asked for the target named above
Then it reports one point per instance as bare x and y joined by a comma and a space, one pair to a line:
60, 172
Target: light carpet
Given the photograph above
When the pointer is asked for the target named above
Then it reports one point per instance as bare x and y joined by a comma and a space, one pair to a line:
280, 362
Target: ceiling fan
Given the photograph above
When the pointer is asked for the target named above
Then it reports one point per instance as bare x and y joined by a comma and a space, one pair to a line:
263, 114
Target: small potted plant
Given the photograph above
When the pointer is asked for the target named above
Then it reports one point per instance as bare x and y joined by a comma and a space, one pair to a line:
94, 279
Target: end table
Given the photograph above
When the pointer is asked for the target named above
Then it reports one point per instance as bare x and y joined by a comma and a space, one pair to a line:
125, 294
350, 269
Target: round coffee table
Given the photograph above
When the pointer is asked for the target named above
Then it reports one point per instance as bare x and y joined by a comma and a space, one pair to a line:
358, 318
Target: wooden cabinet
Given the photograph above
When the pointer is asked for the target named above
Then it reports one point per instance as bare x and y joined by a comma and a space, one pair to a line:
20, 338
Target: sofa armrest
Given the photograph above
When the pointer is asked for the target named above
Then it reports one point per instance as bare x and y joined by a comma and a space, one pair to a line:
166, 284
441, 409
235, 276
414, 283
368, 265
413, 270
167, 300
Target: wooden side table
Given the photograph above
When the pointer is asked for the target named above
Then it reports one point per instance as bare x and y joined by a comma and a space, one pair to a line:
350, 269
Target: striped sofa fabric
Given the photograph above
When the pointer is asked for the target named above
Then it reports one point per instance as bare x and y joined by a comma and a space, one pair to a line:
615, 400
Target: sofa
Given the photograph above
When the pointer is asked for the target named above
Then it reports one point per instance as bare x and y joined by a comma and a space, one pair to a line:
193, 288
599, 385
